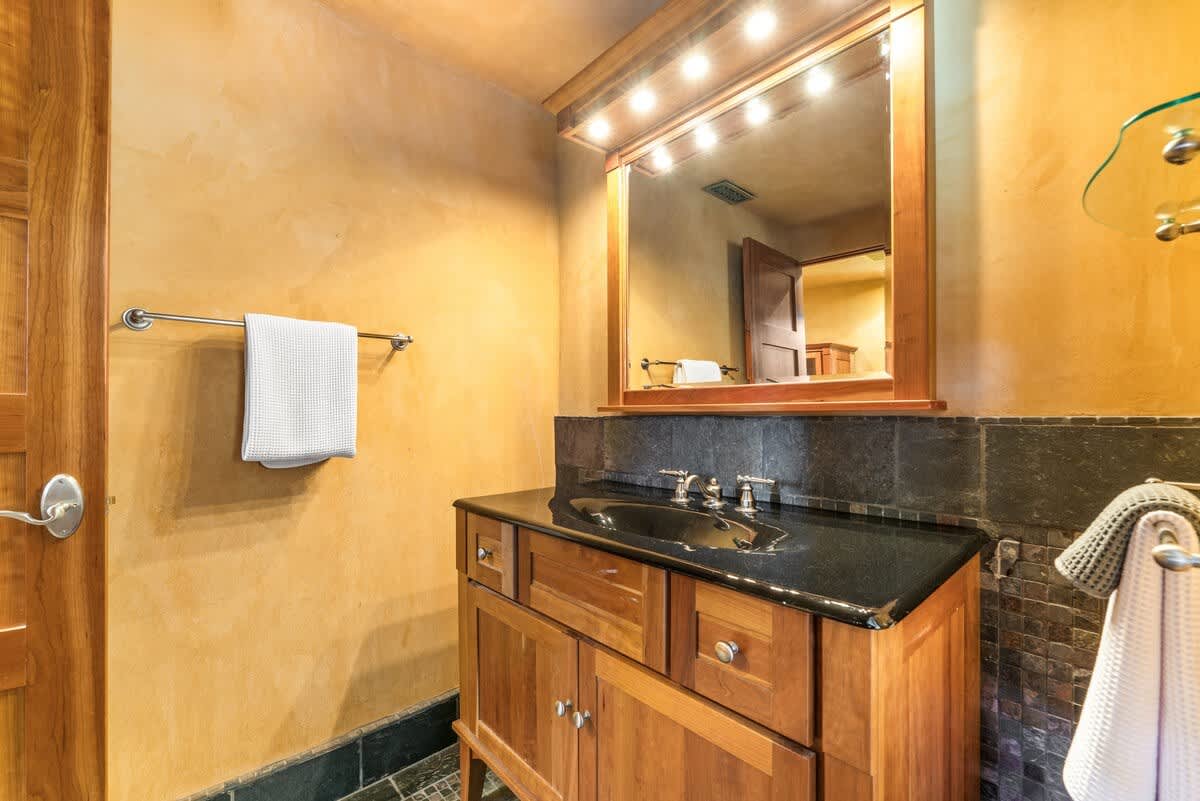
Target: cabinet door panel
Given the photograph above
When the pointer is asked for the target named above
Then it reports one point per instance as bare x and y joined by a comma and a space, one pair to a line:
523, 665
649, 739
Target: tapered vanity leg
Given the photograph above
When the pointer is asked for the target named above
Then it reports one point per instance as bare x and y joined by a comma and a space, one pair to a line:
472, 771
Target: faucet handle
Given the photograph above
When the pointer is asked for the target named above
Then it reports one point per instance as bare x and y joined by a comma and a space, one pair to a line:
746, 492
681, 485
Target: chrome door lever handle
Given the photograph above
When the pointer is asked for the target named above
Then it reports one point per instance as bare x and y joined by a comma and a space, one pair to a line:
56, 511
62, 507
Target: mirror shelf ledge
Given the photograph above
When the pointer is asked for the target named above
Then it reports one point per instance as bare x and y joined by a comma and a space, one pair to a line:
790, 408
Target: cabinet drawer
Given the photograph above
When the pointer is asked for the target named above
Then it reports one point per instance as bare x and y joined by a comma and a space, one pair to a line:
491, 548
615, 601
750, 655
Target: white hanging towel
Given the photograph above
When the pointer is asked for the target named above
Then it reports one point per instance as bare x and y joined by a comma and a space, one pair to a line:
696, 371
301, 391
1137, 735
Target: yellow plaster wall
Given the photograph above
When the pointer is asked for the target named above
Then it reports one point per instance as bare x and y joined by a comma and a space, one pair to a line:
1040, 311
269, 157
849, 314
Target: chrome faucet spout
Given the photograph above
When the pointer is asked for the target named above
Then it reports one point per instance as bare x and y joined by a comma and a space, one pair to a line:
710, 490
712, 494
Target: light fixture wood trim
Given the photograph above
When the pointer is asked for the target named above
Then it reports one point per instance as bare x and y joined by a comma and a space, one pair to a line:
910, 386
868, 22
715, 25
662, 31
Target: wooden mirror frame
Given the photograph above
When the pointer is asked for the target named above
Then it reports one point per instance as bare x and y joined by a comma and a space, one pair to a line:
910, 387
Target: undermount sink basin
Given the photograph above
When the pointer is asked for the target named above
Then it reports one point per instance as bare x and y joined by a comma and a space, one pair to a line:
692, 528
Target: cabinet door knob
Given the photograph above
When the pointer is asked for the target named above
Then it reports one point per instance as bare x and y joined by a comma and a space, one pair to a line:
726, 651
482, 553
561, 707
581, 718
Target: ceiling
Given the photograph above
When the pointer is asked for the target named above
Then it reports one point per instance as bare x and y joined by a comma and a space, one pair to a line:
826, 157
529, 47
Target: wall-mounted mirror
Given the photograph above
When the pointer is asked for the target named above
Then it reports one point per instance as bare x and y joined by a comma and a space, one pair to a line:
768, 213
759, 247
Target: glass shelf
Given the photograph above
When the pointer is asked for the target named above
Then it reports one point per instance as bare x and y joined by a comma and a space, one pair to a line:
1150, 183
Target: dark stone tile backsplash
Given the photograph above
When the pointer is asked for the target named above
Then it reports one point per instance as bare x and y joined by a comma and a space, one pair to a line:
1032, 483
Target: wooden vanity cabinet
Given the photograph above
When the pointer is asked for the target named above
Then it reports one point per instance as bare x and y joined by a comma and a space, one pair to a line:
803, 709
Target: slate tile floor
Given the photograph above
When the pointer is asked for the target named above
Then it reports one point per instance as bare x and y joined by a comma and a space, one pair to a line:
435, 778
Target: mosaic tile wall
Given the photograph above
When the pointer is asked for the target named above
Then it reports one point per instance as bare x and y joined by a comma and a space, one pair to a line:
1031, 483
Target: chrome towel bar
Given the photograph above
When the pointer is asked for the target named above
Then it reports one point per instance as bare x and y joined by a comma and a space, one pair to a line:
647, 364
1168, 553
139, 320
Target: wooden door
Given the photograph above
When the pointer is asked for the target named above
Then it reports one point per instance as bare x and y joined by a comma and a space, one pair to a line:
522, 667
774, 310
648, 739
54, 123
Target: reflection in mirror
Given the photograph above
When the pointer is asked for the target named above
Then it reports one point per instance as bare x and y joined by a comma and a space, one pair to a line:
759, 242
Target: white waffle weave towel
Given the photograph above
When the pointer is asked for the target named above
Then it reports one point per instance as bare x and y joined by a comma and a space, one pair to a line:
696, 371
1137, 735
301, 391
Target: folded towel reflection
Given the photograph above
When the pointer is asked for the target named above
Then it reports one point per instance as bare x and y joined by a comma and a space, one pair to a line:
301, 391
1093, 562
696, 371
1136, 739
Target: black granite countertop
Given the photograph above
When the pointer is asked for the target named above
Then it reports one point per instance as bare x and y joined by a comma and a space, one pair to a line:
865, 571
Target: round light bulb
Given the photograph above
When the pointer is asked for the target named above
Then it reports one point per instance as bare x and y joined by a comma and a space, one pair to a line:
819, 81
661, 159
706, 137
757, 111
642, 100
885, 47
760, 24
598, 130
695, 66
